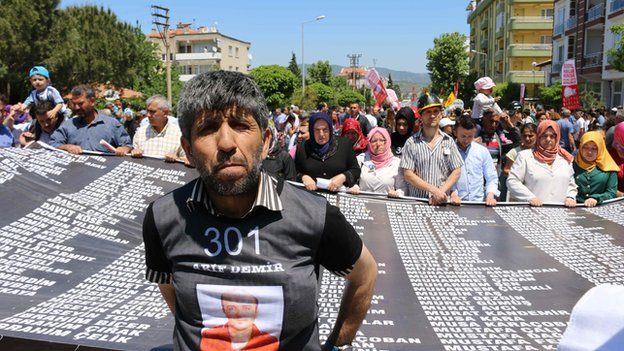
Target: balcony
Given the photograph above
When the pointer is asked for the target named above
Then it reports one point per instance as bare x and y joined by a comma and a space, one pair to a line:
530, 2
570, 23
558, 29
186, 77
595, 13
484, 24
499, 32
592, 60
616, 5
198, 56
499, 55
527, 77
500, 7
531, 23
529, 50
484, 44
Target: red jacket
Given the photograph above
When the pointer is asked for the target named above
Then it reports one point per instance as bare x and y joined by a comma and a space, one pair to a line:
218, 339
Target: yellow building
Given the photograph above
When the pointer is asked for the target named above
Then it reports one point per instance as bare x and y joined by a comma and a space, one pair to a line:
509, 37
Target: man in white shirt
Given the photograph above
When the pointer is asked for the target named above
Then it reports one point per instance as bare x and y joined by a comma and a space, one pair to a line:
159, 138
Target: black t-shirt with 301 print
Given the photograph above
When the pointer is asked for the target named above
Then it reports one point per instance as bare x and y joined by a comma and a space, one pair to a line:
249, 283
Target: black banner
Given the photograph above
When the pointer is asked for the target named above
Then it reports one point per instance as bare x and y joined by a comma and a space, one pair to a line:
451, 278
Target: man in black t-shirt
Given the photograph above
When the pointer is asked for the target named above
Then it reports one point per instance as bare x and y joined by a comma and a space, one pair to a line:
236, 228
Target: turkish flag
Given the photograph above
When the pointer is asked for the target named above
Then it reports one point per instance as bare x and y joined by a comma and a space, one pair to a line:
376, 85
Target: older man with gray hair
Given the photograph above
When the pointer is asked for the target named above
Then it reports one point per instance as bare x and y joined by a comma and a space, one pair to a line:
567, 131
160, 138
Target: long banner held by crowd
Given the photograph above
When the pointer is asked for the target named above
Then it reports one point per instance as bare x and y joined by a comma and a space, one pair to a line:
450, 278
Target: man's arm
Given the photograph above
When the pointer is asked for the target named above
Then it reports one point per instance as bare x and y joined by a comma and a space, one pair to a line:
355, 300
168, 293
416, 181
451, 180
571, 141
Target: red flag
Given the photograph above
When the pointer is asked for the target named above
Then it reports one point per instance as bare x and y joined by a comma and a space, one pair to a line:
376, 85
456, 89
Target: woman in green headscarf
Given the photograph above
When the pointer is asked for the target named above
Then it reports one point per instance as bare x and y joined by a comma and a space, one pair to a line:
595, 171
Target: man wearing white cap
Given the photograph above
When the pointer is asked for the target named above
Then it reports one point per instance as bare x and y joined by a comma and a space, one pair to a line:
484, 99
446, 125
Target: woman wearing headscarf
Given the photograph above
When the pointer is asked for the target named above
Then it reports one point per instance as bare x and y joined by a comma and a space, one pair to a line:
324, 156
278, 162
380, 168
351, 130
403, 129
617, 153
594, 170
544, 173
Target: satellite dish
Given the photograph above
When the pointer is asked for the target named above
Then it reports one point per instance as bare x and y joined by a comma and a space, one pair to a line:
214, 49
250, 56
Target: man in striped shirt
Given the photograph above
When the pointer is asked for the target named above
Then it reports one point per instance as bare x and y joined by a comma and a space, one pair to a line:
431, 162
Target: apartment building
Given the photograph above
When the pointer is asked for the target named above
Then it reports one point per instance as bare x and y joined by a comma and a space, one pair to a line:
203, 49
583, 32
508, 38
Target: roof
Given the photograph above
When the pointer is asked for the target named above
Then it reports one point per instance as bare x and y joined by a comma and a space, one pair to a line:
185, 29
348, 71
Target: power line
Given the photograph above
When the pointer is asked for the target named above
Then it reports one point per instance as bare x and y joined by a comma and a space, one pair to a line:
160, 18
354, 60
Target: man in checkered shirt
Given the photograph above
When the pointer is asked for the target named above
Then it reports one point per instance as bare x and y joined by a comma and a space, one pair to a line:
159, 138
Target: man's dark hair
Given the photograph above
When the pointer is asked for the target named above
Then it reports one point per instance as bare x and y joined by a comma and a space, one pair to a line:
466, 122
539, 114
3, 99
85, 90
334, 108
458, 112
320, 105
218, 91
488, 113
42, 107
530, 126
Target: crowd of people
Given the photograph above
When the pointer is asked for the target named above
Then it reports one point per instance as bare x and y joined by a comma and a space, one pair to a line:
484, 154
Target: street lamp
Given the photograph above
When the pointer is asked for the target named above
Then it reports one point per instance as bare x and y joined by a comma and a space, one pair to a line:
534, 82
480, 53
302, 59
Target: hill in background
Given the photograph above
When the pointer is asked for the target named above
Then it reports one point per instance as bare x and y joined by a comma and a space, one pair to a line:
404, 79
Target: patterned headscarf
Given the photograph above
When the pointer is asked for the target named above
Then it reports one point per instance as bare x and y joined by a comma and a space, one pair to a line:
352, 124
548, 155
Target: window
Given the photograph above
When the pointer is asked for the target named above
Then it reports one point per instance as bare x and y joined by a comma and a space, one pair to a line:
230, 51
164, 57
546, 39
617, 93
236, 50
236, 68
229, 68
187, 69
560, 57
548, 13
185, 49
571, 43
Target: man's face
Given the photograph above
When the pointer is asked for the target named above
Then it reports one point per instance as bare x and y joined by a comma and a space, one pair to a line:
156, 115
227, 147
334, 115
491, 122
240, 314
401, 126
81, 105
46, 123
465, 136
431, 117
354, 110
118, 103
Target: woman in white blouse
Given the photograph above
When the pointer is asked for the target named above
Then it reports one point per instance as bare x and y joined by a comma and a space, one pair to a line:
380, 168
544, 173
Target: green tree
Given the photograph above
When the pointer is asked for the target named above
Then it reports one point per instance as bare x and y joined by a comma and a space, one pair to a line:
92, 46
339, 83
616, 54
345, 97
508, 92
551, 95
395, 87
307, 102
156, 84
324, 93
591, 99
25, 26
320, 72
467, 90
448, 61
276, 82
294, 67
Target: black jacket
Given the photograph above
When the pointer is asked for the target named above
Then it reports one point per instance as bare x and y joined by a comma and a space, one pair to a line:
339, 159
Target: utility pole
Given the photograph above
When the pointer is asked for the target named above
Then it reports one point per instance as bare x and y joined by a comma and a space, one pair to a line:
161, 21
354, 60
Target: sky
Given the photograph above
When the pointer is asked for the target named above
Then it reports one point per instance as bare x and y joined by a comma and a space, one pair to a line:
394, 33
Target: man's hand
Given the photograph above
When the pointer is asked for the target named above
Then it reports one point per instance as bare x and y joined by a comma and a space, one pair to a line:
171, 157
355, 190
309, 183
619, 194
393, 193
51, 114
569, 202
497, 98
591, 202
455, 199
536, 202
490, 200
26, 138
122, 151
506, 120
336, 182
438, 197
136, 153
72, 149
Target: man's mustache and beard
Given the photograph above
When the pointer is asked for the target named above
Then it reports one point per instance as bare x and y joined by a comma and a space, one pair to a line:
245, 185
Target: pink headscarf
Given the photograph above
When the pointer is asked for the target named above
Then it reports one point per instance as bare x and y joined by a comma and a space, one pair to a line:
618, 135
548, 155
383, 159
